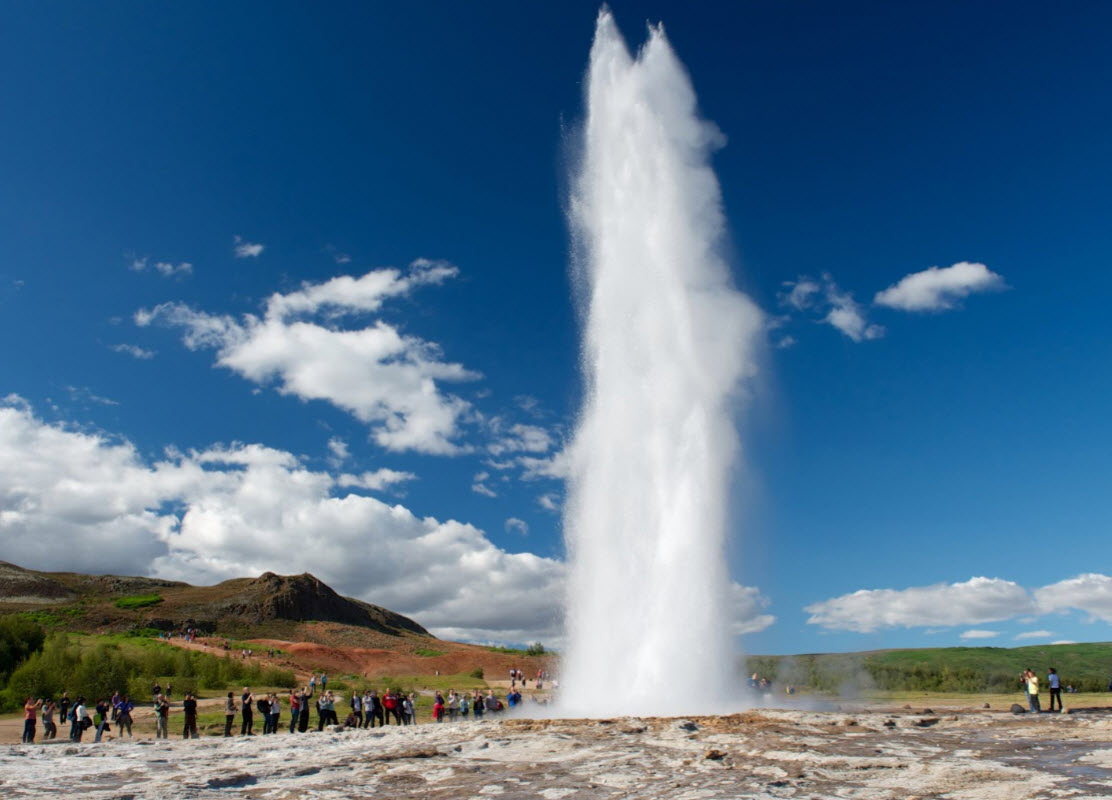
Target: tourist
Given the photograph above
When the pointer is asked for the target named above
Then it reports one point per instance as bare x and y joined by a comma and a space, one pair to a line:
81, 719
101, 718
368, 704
491, 702
229, 713
1055, 689
303, 720
262, 705
162, 718
247, 723
1033, 691
453, 705
477, 704
64, 707
409, 710
124, 707
49, 729
464, 706
356, 703
295, 708
377, 710
391, 707
156, 690
30, 712
189, 709
323, 681
438, 707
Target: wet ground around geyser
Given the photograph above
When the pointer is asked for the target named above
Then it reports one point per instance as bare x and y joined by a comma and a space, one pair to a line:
758, 754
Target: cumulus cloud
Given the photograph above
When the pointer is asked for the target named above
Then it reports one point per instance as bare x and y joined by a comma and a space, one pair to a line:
75, 500
338, 449
824, 301
549, 501
1034, 635
515, 525
1091, 593
976, 601
374, 481
521, 438
979, 634
384, 378
166, 269
245, 249
133, 350
939, 288
747, 607
479, 485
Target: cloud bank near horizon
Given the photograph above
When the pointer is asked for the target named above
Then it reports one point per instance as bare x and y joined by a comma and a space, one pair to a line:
976, 601
75, 499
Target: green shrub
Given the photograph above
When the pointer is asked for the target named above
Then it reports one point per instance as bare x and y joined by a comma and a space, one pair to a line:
427, 652
535, 649
477, 673
139, 601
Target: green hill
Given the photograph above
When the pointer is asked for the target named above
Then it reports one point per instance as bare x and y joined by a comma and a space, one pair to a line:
1086, 666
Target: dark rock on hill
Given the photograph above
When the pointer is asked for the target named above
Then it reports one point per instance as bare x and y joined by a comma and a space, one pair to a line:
272, 605
296, 598
19, 585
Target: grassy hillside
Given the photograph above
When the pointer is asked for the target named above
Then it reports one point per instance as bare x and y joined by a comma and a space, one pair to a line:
1087, 666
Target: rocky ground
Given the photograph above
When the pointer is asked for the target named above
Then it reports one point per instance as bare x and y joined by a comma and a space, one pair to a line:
757, 754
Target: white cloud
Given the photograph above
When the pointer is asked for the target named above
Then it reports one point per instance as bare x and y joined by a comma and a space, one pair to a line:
557, 466
521, 438
339, 450
515, 525
245, 249
479, 486
826, 302
375, 481
1063, 641
979, 634
83, 394
166, 269
939, 288
1091, 593
976, 601
73, 500
1034, 635
382, 377
746, 607
549, 501
134, 351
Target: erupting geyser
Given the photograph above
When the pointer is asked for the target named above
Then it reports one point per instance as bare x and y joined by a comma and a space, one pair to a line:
667, 341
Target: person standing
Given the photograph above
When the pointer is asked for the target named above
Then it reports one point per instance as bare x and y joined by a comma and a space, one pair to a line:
262, 705
1055, 685
49, 729
1033, 691
162, 718
189, 709
81, 719
295, 709
229, 713
247, 727
101, 718
303, 720
30, 712
123, 715
357, 708
64, 707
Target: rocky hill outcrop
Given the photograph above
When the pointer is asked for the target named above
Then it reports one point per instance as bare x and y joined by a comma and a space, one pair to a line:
271, 603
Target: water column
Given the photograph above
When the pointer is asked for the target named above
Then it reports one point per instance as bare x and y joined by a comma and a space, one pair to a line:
667, 341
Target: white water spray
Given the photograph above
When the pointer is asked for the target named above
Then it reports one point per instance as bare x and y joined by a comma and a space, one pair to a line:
667, 341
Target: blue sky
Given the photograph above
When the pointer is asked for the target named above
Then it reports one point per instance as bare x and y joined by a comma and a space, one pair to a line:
152, 426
